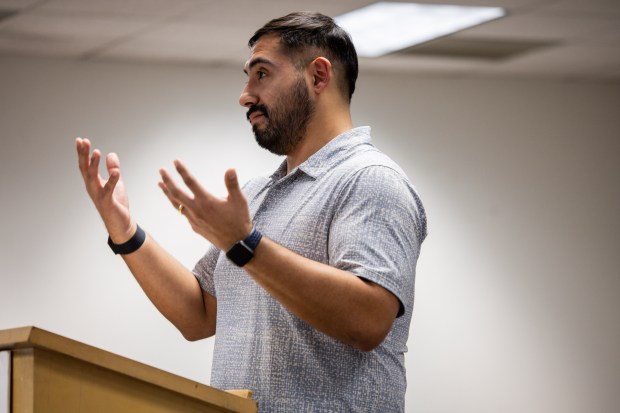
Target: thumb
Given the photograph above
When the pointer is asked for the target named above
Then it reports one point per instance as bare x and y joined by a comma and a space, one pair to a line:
114, 172
112, 162
232, 183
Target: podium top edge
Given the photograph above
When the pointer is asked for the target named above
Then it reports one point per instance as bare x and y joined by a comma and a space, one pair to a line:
34, 337
16, 337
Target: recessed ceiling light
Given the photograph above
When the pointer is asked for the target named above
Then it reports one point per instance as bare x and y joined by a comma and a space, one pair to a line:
384, 27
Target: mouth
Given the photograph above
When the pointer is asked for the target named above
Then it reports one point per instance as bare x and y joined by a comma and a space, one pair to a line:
255, 113
254, 117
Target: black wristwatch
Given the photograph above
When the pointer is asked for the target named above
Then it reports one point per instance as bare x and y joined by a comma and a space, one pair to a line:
243, 251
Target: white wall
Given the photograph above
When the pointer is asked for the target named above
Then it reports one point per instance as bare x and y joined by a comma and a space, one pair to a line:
518, 290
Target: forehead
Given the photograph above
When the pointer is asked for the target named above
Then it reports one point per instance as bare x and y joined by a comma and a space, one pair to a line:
267, 51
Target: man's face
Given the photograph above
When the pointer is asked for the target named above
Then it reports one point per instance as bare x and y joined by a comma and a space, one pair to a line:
277, 98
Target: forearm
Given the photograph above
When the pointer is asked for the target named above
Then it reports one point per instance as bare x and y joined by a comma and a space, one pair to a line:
338, 303
173, 289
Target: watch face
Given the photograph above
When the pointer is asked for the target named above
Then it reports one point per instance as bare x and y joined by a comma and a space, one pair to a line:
240, 254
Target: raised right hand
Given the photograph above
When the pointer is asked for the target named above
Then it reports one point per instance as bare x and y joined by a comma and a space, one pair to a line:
109, 196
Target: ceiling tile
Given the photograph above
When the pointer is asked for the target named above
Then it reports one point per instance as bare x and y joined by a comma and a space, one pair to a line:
246, 14
611, 39
16, 4
63, 34
564, 62
161, 8
421, 64
583, 8
537, 27
182, 41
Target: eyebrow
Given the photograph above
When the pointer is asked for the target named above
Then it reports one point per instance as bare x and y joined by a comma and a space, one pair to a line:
255, 62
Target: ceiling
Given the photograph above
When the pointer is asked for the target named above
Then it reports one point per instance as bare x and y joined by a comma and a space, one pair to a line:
573, 40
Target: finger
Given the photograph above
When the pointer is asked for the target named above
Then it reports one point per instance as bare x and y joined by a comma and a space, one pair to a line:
92, 170
83, 151
175, 204
175, 193
232, 184
185, 210
81, 143
189, 180
192, 183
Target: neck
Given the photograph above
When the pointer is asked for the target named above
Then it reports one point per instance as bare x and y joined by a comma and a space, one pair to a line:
320, 131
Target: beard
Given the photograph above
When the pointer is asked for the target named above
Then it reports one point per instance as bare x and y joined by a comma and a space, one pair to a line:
286, 121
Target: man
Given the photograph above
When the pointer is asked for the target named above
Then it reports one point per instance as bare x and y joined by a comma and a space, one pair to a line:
310, 277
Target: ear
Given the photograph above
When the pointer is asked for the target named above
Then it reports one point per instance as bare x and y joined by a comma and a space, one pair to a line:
321, 73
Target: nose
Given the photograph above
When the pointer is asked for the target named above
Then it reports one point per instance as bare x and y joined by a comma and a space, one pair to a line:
247, 99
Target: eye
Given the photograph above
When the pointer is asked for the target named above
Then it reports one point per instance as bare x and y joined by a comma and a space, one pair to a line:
261, 74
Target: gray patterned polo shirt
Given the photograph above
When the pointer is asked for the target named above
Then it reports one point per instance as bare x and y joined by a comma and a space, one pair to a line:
348, 206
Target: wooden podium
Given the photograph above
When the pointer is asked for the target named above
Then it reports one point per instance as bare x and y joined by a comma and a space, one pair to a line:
42, 372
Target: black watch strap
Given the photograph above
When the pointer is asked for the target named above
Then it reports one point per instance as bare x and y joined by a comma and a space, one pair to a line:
243, 251
130, 246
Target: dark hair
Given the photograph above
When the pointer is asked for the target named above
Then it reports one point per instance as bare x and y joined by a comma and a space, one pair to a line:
304, 33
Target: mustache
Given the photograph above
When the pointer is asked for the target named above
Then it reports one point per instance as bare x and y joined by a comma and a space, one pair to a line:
257, 108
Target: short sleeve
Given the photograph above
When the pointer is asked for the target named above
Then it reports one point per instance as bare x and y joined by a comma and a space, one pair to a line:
377, 230
204, 269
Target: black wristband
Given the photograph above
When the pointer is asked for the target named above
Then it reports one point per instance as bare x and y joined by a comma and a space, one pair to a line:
130, 246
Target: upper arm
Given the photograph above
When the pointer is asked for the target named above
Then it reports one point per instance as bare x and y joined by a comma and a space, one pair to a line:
376, 232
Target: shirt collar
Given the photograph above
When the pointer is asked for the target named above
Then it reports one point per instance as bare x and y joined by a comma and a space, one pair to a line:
329, 155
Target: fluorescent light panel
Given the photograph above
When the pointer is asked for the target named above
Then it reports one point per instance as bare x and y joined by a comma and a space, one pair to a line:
385, 27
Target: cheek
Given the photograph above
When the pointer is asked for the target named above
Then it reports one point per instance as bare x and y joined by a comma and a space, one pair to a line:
270, 95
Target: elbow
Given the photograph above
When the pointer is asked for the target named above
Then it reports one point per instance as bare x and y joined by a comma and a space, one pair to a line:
192, 337
369, 344
372, 329
196, 334
369, 339
195, 329
367, 347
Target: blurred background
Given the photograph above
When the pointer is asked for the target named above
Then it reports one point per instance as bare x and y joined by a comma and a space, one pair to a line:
509, 130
